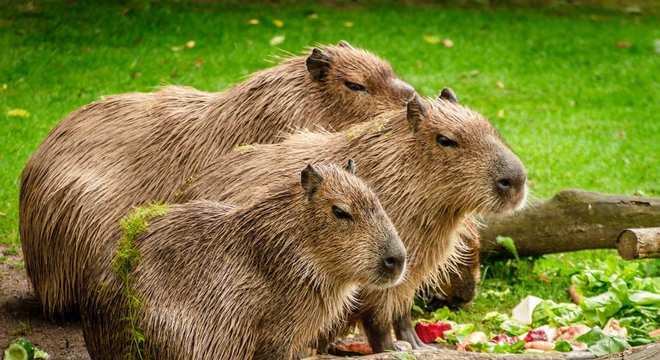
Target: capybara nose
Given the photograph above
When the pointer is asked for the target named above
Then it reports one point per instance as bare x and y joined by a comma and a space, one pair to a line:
394, 263
403, 89
513, 182
511, 177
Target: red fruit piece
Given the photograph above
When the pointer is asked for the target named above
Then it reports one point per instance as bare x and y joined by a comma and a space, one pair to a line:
356, 347
504, 339
536, 335
428, 332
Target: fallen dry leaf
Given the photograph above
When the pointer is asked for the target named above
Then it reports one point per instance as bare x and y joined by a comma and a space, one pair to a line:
276, 40
499, 84
253, 21
190, 44
623, 44
432, 39
278, 23
199, 62
448, 43
22, 113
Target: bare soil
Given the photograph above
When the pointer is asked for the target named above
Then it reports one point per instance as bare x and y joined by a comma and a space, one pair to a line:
20, 315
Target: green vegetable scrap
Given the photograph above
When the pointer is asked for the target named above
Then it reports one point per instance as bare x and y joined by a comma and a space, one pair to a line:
601, 344
620, 308
513, 327
550, 313
22, 349
563, 346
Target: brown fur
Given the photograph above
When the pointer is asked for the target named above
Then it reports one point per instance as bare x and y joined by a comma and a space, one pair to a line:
253, 281
130, 149
427, 189
460, 287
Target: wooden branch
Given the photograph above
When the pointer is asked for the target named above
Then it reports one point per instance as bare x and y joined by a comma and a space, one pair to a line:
639, 243
572, 220
646, 352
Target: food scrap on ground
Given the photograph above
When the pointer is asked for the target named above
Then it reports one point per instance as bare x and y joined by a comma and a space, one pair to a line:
617, 309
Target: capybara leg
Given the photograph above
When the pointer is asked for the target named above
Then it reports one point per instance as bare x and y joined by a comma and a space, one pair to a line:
324, 342
378, 332
274, 354
404, 331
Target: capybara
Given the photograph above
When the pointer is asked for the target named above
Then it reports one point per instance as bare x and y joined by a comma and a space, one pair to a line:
131, 149
252, 281
432, 165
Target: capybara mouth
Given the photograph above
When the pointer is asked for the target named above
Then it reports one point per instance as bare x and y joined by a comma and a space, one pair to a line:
506, 203
387, 279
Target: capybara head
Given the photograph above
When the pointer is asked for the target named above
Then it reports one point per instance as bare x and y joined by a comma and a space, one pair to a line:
460, 288
357, 241
360, 82
466, 154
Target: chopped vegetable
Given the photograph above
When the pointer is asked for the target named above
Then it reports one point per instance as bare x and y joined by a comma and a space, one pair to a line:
429, 332
513, 327
21, 349
540, 345
618, 307
563, 346
600, 343
523, 311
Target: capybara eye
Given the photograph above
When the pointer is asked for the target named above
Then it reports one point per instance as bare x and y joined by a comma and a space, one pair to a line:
445, 141
354, 87
341, 214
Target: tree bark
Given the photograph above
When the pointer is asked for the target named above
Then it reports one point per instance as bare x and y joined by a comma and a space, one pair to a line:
572, 220
639, 243
646, 352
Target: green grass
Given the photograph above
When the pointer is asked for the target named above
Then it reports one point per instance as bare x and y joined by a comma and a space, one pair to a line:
580, 111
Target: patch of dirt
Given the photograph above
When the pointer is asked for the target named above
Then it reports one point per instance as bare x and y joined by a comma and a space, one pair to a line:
20, 314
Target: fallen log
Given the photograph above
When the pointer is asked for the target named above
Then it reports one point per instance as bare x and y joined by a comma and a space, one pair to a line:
572, 220
639, 243
646, 352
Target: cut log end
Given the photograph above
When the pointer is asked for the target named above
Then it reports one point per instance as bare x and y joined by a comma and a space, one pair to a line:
639, 243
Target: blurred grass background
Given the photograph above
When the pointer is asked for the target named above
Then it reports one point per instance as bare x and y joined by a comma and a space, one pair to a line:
573, 89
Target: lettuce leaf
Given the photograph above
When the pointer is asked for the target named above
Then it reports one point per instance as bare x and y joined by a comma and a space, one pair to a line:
550, 313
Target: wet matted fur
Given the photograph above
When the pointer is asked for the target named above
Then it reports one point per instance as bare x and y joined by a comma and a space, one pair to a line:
255, 281
432, 166
130, 149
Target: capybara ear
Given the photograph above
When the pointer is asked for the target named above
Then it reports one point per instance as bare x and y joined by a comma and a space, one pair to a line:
344, 44
448, 94
318, 64
310, 180
415, 112
350, 166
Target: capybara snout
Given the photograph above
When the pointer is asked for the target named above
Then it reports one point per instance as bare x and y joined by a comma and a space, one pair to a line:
393, 260
510, 180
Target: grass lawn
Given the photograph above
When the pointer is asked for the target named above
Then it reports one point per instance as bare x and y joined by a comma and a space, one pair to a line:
574, 91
